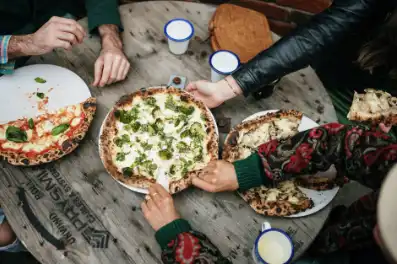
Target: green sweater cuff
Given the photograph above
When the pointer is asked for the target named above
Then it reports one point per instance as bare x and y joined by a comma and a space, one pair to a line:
249, 172
170, 231
101, 13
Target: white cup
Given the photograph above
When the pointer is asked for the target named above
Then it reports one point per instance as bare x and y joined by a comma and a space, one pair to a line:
272, 246
178, 31
223, 63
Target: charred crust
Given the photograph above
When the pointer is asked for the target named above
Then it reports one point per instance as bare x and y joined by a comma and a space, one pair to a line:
232, 140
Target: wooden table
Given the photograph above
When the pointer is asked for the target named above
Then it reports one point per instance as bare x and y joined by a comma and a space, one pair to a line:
76, 199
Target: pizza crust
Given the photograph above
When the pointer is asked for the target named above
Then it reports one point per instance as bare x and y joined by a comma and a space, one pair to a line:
374, 106
109, 132
21, 159
231, 149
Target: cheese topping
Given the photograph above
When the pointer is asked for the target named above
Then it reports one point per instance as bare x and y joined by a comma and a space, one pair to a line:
40, 137
160, 131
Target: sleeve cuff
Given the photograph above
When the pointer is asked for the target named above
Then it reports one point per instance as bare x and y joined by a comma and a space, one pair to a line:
170, 231
249, 172
4, 40
110, 19
7, 68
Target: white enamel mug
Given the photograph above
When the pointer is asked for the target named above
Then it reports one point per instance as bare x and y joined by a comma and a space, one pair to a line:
178, 31
272, 246
223, 63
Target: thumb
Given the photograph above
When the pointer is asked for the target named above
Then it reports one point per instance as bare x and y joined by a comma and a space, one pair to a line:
384, 128
199, 183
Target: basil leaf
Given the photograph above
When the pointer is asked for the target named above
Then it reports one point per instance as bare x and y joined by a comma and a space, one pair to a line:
59, 129
40, 80
15, 134
40, 95
31, 123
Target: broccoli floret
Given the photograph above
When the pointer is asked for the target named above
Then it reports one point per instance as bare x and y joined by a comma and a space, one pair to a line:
150, 101
170, 103
120, 156
165, 154
182, 146
187, 110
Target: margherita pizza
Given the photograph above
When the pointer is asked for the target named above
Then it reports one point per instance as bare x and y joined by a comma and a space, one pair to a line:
374, 106
244, 139
158, 128
47, 137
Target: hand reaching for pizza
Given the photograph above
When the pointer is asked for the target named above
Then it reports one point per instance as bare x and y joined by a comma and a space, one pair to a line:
112, 65
218, 176
158, 207
214, 94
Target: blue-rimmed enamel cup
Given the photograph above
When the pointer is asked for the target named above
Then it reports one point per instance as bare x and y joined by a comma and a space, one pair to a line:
178, 31
223, 63
273, 246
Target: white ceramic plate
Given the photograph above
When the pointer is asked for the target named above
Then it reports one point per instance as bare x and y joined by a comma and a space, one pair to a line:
161, 179
320, 198
67, 89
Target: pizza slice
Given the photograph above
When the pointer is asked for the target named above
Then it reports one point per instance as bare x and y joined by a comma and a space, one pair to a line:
287, 199
244, 139
48, 137
374, 106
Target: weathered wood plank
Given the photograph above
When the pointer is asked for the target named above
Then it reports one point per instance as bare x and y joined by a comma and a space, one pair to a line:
75, 194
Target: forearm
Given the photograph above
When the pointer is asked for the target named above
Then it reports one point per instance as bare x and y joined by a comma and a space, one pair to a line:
305, 44
361, 155
178, 239
20, 46
110, 35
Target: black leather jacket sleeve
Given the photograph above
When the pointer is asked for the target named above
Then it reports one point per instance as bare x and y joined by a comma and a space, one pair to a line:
298, 49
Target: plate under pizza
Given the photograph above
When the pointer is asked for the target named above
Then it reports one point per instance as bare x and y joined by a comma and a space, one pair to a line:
312, 200
157, 134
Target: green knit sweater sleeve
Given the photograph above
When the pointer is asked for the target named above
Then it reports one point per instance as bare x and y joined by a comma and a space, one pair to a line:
102, 12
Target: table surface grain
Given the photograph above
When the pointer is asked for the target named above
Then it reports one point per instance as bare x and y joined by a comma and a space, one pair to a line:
76, 200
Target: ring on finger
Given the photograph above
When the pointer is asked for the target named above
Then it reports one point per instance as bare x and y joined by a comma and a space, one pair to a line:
147, 198
154, 194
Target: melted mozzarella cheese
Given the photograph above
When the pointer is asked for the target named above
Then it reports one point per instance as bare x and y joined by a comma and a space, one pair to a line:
3, 133
12, 145
75, 121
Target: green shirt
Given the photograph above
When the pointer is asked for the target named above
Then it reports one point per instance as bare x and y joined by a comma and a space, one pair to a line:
26, 16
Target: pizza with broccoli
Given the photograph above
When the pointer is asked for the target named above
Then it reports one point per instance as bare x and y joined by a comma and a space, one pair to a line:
158, 128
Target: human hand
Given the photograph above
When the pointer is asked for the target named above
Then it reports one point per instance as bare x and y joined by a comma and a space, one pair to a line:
58, 32
213, 94
158, 207
112, 65
218, 176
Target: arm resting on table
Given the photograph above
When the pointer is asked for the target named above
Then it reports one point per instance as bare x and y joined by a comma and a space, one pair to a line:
178, 241
358, 153
305, 44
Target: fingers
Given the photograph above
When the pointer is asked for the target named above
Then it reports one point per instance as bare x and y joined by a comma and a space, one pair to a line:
71, 26
191, 87
63, 44
121, 70
202, 184
98, 71
69, 37
73, 29
108, 62
115, 70
160, 190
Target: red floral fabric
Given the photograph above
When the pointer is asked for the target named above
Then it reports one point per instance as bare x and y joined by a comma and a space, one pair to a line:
358, 153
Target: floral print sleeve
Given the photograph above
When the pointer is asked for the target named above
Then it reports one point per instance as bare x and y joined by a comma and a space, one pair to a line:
182, 245
192, 247
356, 152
